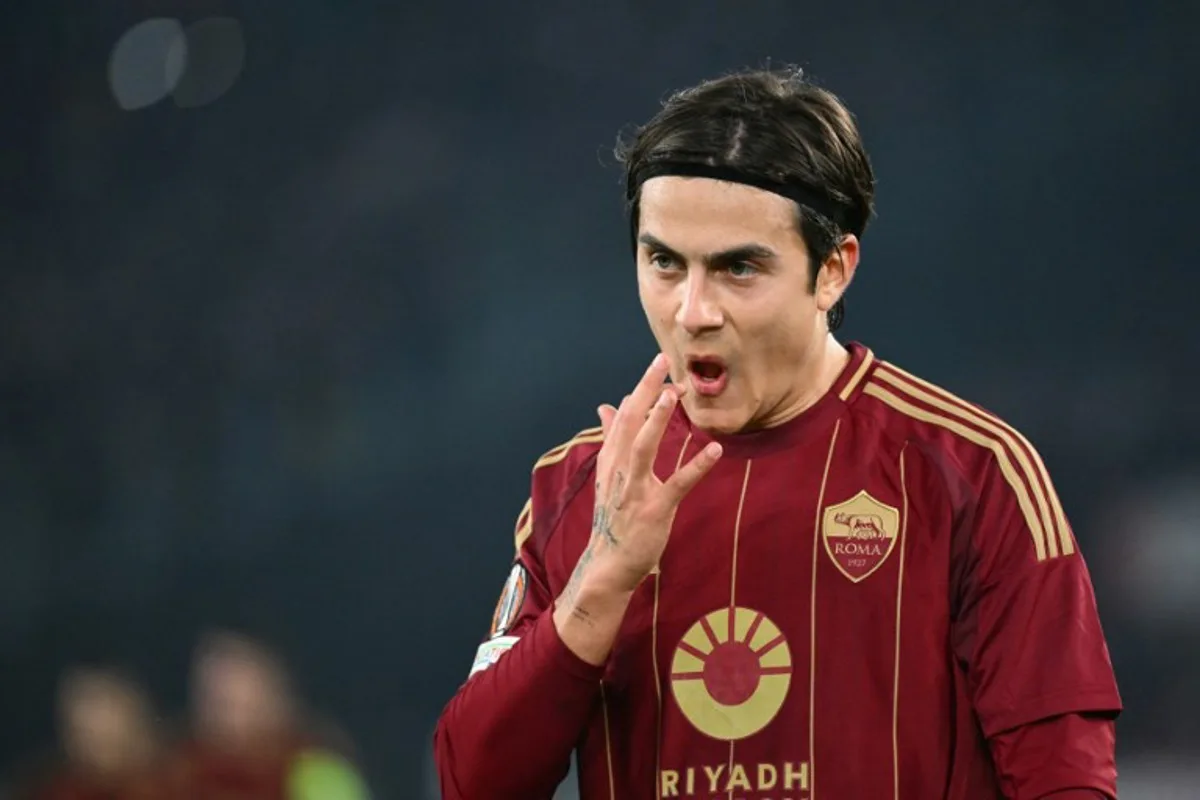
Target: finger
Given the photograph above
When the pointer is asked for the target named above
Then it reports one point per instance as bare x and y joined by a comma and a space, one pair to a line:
610, 419
645, 445
687, 476
646, 393
607, 414
638, 403
622, 412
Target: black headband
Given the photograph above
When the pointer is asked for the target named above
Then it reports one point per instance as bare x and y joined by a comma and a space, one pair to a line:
808, 196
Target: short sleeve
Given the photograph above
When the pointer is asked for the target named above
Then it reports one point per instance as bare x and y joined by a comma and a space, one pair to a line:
1026, 627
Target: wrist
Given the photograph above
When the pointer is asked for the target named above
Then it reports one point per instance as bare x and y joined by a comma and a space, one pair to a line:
606, 574
588, 619
598, 594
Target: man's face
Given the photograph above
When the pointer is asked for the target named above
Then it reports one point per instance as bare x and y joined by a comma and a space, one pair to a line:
105, 727
239, 703
723, 275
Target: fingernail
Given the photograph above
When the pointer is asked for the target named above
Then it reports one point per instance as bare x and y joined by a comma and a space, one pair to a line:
658, 360
713, 450
664, 399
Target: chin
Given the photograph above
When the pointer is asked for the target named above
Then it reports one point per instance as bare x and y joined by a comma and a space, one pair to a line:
716, 420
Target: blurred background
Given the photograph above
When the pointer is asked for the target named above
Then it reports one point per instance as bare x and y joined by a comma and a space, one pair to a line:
281, 284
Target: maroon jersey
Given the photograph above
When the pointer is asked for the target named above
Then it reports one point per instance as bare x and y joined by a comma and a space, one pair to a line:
206, 773
860, 603
77, 787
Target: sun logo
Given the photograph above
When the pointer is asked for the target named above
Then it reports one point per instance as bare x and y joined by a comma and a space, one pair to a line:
731, 672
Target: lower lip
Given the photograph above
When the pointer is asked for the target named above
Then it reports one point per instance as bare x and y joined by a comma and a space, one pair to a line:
709, 387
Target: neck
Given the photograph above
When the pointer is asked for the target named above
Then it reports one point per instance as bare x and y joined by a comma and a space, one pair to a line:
816, 374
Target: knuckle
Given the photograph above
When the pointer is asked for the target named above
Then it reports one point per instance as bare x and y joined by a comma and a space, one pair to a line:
681, 483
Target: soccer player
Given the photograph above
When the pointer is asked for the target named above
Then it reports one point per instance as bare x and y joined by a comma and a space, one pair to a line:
111, 744
782, 567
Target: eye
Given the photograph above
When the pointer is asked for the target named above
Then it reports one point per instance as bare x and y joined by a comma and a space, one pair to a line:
742, 269
662, 261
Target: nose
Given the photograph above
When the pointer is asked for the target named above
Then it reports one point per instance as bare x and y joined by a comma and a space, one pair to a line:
698, 308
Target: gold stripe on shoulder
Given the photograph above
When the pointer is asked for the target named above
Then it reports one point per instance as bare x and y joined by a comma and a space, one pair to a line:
524, 526
983, 440
557, 454
1054, 519
849, 388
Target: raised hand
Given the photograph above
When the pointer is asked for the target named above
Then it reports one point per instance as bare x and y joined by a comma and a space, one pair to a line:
634, 509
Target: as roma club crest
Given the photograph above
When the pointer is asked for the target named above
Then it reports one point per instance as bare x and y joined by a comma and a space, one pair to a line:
859, 535
508, 607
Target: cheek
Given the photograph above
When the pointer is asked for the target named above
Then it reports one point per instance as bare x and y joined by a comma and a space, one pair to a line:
657, 307
781, 336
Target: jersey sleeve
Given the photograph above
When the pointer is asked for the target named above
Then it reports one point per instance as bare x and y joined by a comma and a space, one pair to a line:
1068, 757
1026, 628
510, 729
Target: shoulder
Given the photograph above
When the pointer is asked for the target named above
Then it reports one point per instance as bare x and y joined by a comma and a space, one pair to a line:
558, 475
919, 411
569, 455
925, 412
981, 448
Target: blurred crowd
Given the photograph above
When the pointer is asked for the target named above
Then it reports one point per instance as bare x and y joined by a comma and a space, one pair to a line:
246, 736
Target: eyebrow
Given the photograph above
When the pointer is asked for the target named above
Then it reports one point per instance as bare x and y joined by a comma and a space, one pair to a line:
751, 251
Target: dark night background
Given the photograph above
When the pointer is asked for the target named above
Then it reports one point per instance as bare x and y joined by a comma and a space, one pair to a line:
281, 361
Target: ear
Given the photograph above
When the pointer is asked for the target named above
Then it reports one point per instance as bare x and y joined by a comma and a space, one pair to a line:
836, 273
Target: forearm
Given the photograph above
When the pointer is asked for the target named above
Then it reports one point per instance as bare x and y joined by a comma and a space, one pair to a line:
540, 689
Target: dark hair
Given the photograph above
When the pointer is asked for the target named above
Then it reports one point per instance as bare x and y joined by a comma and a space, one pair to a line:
774, 126
219, 644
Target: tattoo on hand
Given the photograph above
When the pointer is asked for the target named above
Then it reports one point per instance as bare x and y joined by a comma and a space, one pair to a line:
602, 517
572, 588
602, 525
601, 530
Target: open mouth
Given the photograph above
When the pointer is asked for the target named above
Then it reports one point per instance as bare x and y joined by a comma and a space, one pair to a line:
708, 375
